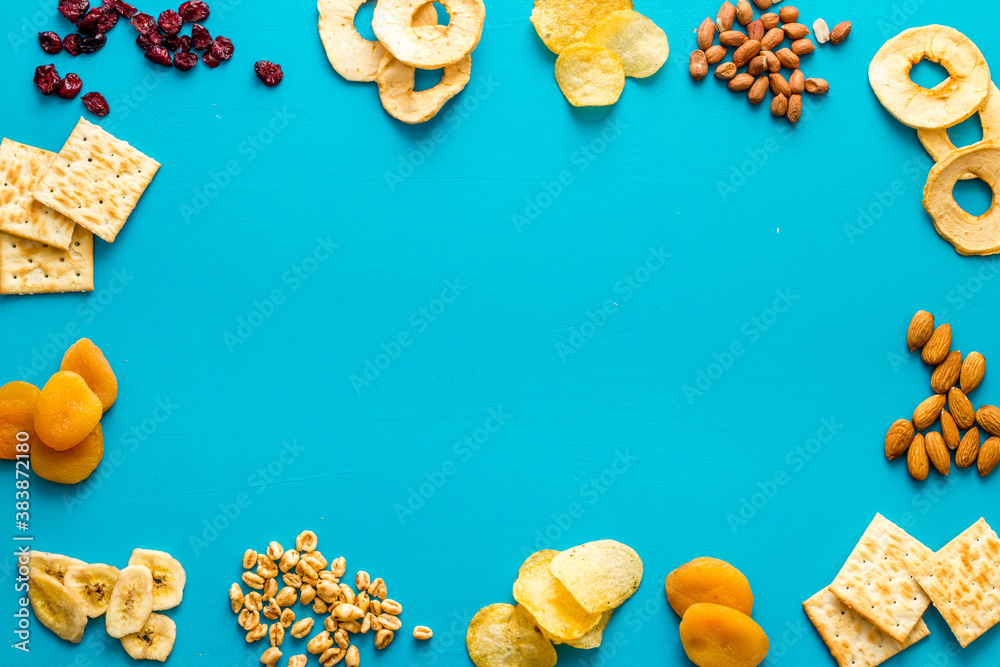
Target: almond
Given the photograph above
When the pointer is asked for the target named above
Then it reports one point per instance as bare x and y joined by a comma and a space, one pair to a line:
973, 371
779, 106
758, 91
706, 34
946, 374
726, 16
755, 30
770, 20
916, 459
927, 412
937, 452
817, 86
795, 30
772, 38
787, 58
740, 82
949, 430
961, 408
937, 346
804, 46
840, 32
732, 38
898, 439
744, 12
773, 64
725, 71
715, 53
968, 450
989, 456
698, 64
988, 417
779, 85
747, 50
794, 108
797, 82
921, 328
757, 66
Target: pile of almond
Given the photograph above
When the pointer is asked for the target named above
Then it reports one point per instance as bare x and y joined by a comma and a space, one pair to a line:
759, 48
952, 381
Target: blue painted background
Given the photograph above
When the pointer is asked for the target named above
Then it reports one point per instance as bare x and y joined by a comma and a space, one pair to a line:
558, 275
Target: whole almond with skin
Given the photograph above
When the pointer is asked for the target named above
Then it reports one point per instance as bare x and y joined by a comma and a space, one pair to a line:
740, 82
937, 452
817, 86
921, 328
949, 430
989, 456
804, 46
773, 64
797, 82
725, 71
706, 34
772, 38
968, 449
973, 371
945, 376
794, 108
757, 66
916, 459
758, 91
779, 106
927, 412
898, 439
937, 346
746, 52
698, 65
787, 58
770, 20
714, 54
961, 408
840, 32
732, 38
788, 14
779, 85
727, 14
744, 12
988, 417
795, 30
755, 30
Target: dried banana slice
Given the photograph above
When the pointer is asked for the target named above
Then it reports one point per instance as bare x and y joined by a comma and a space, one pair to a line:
168, 576
939, 144
56, 607
54, 565
395, 89
93, 584
394, 27
922, 108
970, 234
131, 601
154, 641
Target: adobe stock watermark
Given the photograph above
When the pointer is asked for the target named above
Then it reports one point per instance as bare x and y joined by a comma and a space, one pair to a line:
44, 14
914, 169
624, 289
752, 331
418, 322
580, 159
900, 18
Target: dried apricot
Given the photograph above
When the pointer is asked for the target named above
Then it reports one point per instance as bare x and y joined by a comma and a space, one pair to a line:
17, 415
67, 411
717, 636
86, 360
72, 465
708, 580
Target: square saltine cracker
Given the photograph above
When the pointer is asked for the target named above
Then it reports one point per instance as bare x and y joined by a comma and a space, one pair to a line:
29, 267
96, 180
21, 167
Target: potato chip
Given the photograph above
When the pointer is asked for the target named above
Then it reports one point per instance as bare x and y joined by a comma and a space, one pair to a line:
395, 89
970, 234
393, 25
590, 76
502, 635
940, 145
594, 636
601, 575
562, 23
555, 610
641, 44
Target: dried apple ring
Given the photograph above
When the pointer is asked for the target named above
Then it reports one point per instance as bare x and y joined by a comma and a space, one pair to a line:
970, 234
394, 27
354, 57
395, 89
940, 145
922, 108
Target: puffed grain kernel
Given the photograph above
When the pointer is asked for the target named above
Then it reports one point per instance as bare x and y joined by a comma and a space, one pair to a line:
311, 581
249, 559
389, 621
392, 607
319, 607
346, 612
351, 626
306, 541
318, 557
270, 588
287, 617
254, 601
422, 632
330, 624
319, 643
374, 623
326, 575
362, 601
276, 633
375, 606
298, 660
342, 638
312, 560
249, 620
362, 580
291, 579
272, 611
353, 658
286, 597
366, 624
308, 570
266, 567
327, 591
307, 594
236, 598
383, 638
302, 628
347, 594
332, 656
289, 560
253, 580
257, 633
339, 566
275, 551
378, 589
271, 657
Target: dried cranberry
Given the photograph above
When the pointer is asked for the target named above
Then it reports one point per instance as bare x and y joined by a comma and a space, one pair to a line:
185, 44
92, 43
108, 22
70, 87
72, 44
143, 22
73, 10
185, 61
96, 104
171, 42
125, 9
91, 23
268, 72
50, 42
159, 55
210, 60
194, 11
222, 48
47, 79
143, 41
170, 22
200, 37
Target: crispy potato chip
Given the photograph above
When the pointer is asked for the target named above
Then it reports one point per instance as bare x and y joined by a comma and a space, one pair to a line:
395, 89
601, 575
590, 76
639, 42
354, 57
594, 636
962, 94
558, 615
502, 635
939, 144
562, 23
426, 49
970, 234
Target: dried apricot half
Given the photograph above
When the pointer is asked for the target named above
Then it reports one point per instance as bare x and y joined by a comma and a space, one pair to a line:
708, 580
86, 360
72, 465
67, 411
17, 415
717, 636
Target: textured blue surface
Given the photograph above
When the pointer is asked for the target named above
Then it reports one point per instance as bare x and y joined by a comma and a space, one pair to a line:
686, 224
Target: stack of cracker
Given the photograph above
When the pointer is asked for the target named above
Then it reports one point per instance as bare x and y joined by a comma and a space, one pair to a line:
874, 608
52, 204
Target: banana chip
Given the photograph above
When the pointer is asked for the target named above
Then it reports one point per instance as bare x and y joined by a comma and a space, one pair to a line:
56, 607
590, 75
555, 610
395, 89
641, 44
502, 635
601, 575
54, 565
961, 95
154, 641
970, 234
563, 23
168, 576
92, 583
429, 49
940, 146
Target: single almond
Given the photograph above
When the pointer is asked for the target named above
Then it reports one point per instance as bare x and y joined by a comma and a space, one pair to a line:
779, 85
779, 105
744, 12
794, 108
797, 82
988, 417
772, 38
788, 14
949, 430
732, 38
706, 34
804, 46
725, 71
961, 408
741, 82
758, 91
769, 19
989, 456
795, 30
927, 412
757, 66
698, 64
945, 376
787, 58
727, 14
746, 52
921, 328
937, 346
840, 32
937, 452
973, 371
773, 64
968, 449
821, 31
916, 459
898, 439
817, 86
714, 54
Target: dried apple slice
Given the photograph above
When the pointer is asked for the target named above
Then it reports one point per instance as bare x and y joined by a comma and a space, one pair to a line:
940, 145
395, 89
970, 234
429, 49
